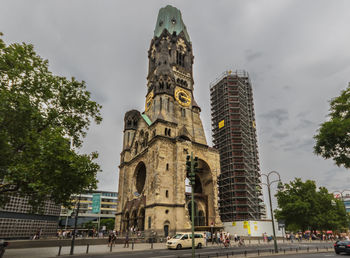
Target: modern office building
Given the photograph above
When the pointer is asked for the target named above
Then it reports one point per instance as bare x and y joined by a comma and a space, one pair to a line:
107, 208
17, 221
234, 135
345, 199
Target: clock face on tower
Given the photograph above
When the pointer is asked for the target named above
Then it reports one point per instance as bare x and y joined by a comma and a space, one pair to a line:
183, 97
149, 101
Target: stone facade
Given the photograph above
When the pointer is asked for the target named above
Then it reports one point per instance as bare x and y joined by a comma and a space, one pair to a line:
153, 191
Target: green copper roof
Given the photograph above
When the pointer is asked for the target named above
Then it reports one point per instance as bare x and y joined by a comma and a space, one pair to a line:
170, 18
146, 118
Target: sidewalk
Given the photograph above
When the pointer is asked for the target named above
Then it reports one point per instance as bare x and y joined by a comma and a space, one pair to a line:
46, 252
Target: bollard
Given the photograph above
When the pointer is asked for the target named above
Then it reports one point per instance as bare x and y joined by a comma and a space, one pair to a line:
317, 248
284, 251
249, 240
226, 255
296, 250
245, 253
87, 248
258, 252
110, 248
132, 244
307, 249
327, 248
217, 255
259, 241
59, 250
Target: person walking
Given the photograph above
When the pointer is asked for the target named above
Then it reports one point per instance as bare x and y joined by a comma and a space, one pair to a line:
126, 243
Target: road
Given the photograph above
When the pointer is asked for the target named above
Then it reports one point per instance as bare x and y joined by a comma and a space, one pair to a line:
215, 251
315, 255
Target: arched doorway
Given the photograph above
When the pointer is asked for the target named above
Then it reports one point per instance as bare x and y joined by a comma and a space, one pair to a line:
127, 221
134, 219
166, 228
141, 224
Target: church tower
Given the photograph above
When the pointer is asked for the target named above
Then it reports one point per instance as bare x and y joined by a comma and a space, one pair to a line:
154, 193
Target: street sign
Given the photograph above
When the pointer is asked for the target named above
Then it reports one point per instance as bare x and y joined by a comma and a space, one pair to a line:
96, 203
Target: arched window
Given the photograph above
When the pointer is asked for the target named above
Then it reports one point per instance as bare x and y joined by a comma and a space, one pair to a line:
167, 166
166, 131
136, 147
169, 132
166, 193
149, 222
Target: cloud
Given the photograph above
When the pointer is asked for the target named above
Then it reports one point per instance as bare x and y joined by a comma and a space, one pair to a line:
280, 135
278, 116
251, 55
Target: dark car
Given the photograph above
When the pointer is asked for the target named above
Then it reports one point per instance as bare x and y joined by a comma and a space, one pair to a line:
3, 244
342, 247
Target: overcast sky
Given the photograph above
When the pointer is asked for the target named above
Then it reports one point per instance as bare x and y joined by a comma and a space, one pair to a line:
296, 52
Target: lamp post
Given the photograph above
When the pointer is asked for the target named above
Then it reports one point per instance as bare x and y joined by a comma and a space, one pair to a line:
75, 226
268, 184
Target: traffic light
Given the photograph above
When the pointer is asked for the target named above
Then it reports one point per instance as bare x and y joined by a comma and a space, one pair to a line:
188, 165
195, 165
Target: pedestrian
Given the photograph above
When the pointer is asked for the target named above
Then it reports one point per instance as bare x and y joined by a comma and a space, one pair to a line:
114, 239
109, 239
218, 238
126, 243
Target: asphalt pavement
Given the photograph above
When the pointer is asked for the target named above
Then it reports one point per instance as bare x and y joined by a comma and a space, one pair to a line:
159, 250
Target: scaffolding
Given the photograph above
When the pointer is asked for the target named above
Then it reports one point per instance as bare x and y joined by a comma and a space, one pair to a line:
234, 135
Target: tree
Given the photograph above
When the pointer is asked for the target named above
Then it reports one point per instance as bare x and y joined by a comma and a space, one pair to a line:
333, 138
109, 223
43, 119
302, 207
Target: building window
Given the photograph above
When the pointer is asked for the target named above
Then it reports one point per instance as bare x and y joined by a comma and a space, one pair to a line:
183, 112
167, 166
149, 222
166, 211
166, 193
180, 59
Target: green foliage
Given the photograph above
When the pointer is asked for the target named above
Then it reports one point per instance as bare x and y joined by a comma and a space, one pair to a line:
89, 225
333, 138
42, 118
109, 223
302, 207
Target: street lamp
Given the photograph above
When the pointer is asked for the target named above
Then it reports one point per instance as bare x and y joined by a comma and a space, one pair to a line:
268, 184
75, 226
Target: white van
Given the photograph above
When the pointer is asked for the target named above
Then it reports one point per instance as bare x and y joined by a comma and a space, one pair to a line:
184, 240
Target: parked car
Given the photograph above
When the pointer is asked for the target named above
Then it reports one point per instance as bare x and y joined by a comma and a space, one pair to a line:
184, 240
3, 245
342, 247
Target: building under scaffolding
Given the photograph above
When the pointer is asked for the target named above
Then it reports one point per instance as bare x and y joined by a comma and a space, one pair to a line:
234, 135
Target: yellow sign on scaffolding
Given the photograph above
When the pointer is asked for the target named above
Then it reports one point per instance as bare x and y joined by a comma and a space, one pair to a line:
221, 124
